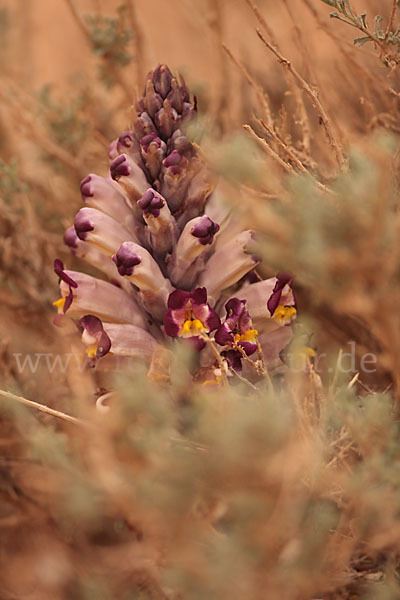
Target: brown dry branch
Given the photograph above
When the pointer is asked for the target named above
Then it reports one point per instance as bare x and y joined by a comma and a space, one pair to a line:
267, 148
313, 95
282, 145
263, 22
390, 23
261, 94
287, 150
45, 409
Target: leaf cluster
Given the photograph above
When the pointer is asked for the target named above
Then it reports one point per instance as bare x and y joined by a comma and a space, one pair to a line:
10, 183
344, 12
111, 37
67, 123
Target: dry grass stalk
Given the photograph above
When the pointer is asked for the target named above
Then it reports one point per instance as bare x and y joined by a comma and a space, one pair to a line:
313, 95
45, 409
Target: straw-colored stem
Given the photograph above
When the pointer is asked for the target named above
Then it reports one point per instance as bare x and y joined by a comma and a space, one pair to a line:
391, 21
314, 99
45, 409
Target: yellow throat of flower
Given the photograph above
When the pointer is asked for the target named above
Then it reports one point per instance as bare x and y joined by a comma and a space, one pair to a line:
91, 350
284, 314
59, 304
247, 336
192, 328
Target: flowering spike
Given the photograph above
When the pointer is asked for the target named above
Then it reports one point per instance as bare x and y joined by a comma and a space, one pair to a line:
156, 222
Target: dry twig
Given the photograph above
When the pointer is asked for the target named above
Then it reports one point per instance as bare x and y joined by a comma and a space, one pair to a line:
45, 409
390, 24
314, 99
260, 93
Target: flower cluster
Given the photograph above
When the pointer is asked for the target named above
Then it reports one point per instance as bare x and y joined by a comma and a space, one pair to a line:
171, 260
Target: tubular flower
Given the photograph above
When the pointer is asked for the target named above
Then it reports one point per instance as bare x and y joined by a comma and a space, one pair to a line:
280, 308
167, 250
237, 329
236, 334
189, 316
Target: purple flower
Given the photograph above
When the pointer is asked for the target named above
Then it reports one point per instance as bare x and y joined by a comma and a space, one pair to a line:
277, 305
96, 227
126, 171
101, 298
161, 79
205, 230
234, 359
94, 337
126, 260
237, 328
151, 138
190, 316
151, 203
71, 239
120, 167
153, 150
125, 141
65, 302
101, 338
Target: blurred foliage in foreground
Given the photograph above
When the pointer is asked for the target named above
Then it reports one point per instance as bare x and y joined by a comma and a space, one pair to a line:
200, 494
